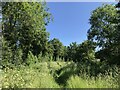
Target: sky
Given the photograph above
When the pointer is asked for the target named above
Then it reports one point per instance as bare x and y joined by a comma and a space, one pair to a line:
71, 20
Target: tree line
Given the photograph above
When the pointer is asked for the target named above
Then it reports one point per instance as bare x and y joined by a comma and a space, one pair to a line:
24, 31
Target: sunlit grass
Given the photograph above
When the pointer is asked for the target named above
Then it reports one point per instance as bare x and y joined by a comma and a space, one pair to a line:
47, 74
98, 82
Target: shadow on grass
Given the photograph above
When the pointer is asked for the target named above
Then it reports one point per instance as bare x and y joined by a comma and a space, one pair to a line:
62, 75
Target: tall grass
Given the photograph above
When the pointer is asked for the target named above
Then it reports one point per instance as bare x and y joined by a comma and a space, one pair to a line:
25, 77
49, 74
92, 82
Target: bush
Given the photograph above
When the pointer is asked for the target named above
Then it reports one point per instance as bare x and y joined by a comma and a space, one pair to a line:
31, 59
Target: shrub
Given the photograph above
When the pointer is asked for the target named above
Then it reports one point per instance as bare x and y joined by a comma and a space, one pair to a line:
31, 59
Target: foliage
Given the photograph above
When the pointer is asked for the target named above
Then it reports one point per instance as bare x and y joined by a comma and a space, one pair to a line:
102, 26
86, 51
81, 52
72, 51
104, 31
57, 48
7, 55
24, 26
31, 59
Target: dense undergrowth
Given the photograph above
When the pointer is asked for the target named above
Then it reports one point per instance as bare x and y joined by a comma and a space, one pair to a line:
60, 74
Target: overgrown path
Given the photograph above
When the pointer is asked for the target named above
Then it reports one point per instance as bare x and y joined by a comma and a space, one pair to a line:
64, 73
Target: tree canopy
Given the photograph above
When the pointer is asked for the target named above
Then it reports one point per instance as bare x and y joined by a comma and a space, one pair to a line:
24, 26
105, 32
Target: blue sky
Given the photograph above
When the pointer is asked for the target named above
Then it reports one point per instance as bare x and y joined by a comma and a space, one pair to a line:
71, 20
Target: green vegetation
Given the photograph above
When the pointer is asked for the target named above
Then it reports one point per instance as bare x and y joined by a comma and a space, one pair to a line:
36, 76
59, 74
31, 60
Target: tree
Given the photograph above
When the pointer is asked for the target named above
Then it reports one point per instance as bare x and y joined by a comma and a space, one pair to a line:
57, 48
102, 26
104, 32
81, 52
86, 51
72, 51
65, 53
24, 26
